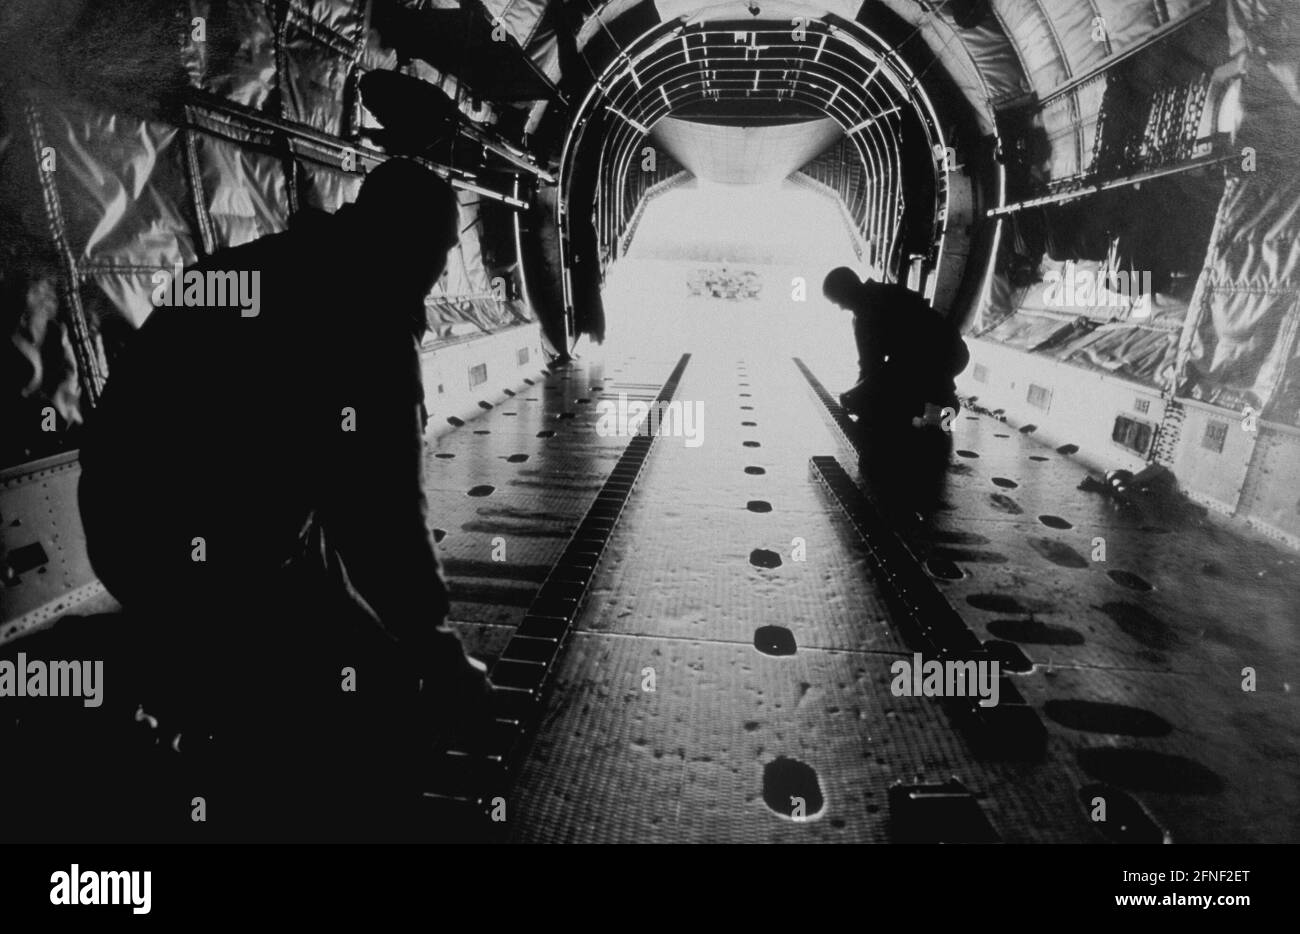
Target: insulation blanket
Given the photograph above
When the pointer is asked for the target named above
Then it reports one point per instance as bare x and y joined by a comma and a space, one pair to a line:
1239, 346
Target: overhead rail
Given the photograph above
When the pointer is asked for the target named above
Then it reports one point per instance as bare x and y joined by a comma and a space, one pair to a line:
1216, 156
343, 150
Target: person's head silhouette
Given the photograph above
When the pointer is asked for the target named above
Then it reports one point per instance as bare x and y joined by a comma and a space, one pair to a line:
842, 287
408, 218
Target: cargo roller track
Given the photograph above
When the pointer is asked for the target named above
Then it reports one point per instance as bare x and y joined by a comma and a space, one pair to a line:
466, 787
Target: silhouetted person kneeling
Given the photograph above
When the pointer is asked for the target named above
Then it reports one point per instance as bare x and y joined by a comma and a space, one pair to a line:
905, 398
252, 494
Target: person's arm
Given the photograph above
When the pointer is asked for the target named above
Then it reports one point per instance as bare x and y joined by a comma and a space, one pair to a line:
376, 512
868, 349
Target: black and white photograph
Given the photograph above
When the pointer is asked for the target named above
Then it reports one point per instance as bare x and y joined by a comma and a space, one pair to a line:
428, 425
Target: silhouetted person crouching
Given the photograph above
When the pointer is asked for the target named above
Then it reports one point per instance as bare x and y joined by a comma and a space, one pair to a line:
905, 398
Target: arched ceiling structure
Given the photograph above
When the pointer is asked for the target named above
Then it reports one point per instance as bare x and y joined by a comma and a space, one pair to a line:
778, 64
997, 52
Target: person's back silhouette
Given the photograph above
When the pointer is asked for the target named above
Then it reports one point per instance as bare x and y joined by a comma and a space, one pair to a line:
252, 483
908, 354
905, 398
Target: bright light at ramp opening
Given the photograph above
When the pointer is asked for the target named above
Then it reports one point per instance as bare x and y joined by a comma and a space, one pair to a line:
726, 269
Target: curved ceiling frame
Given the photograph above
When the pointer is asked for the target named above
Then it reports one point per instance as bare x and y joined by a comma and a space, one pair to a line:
877, 151
636, 89
622, 151
824, 82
